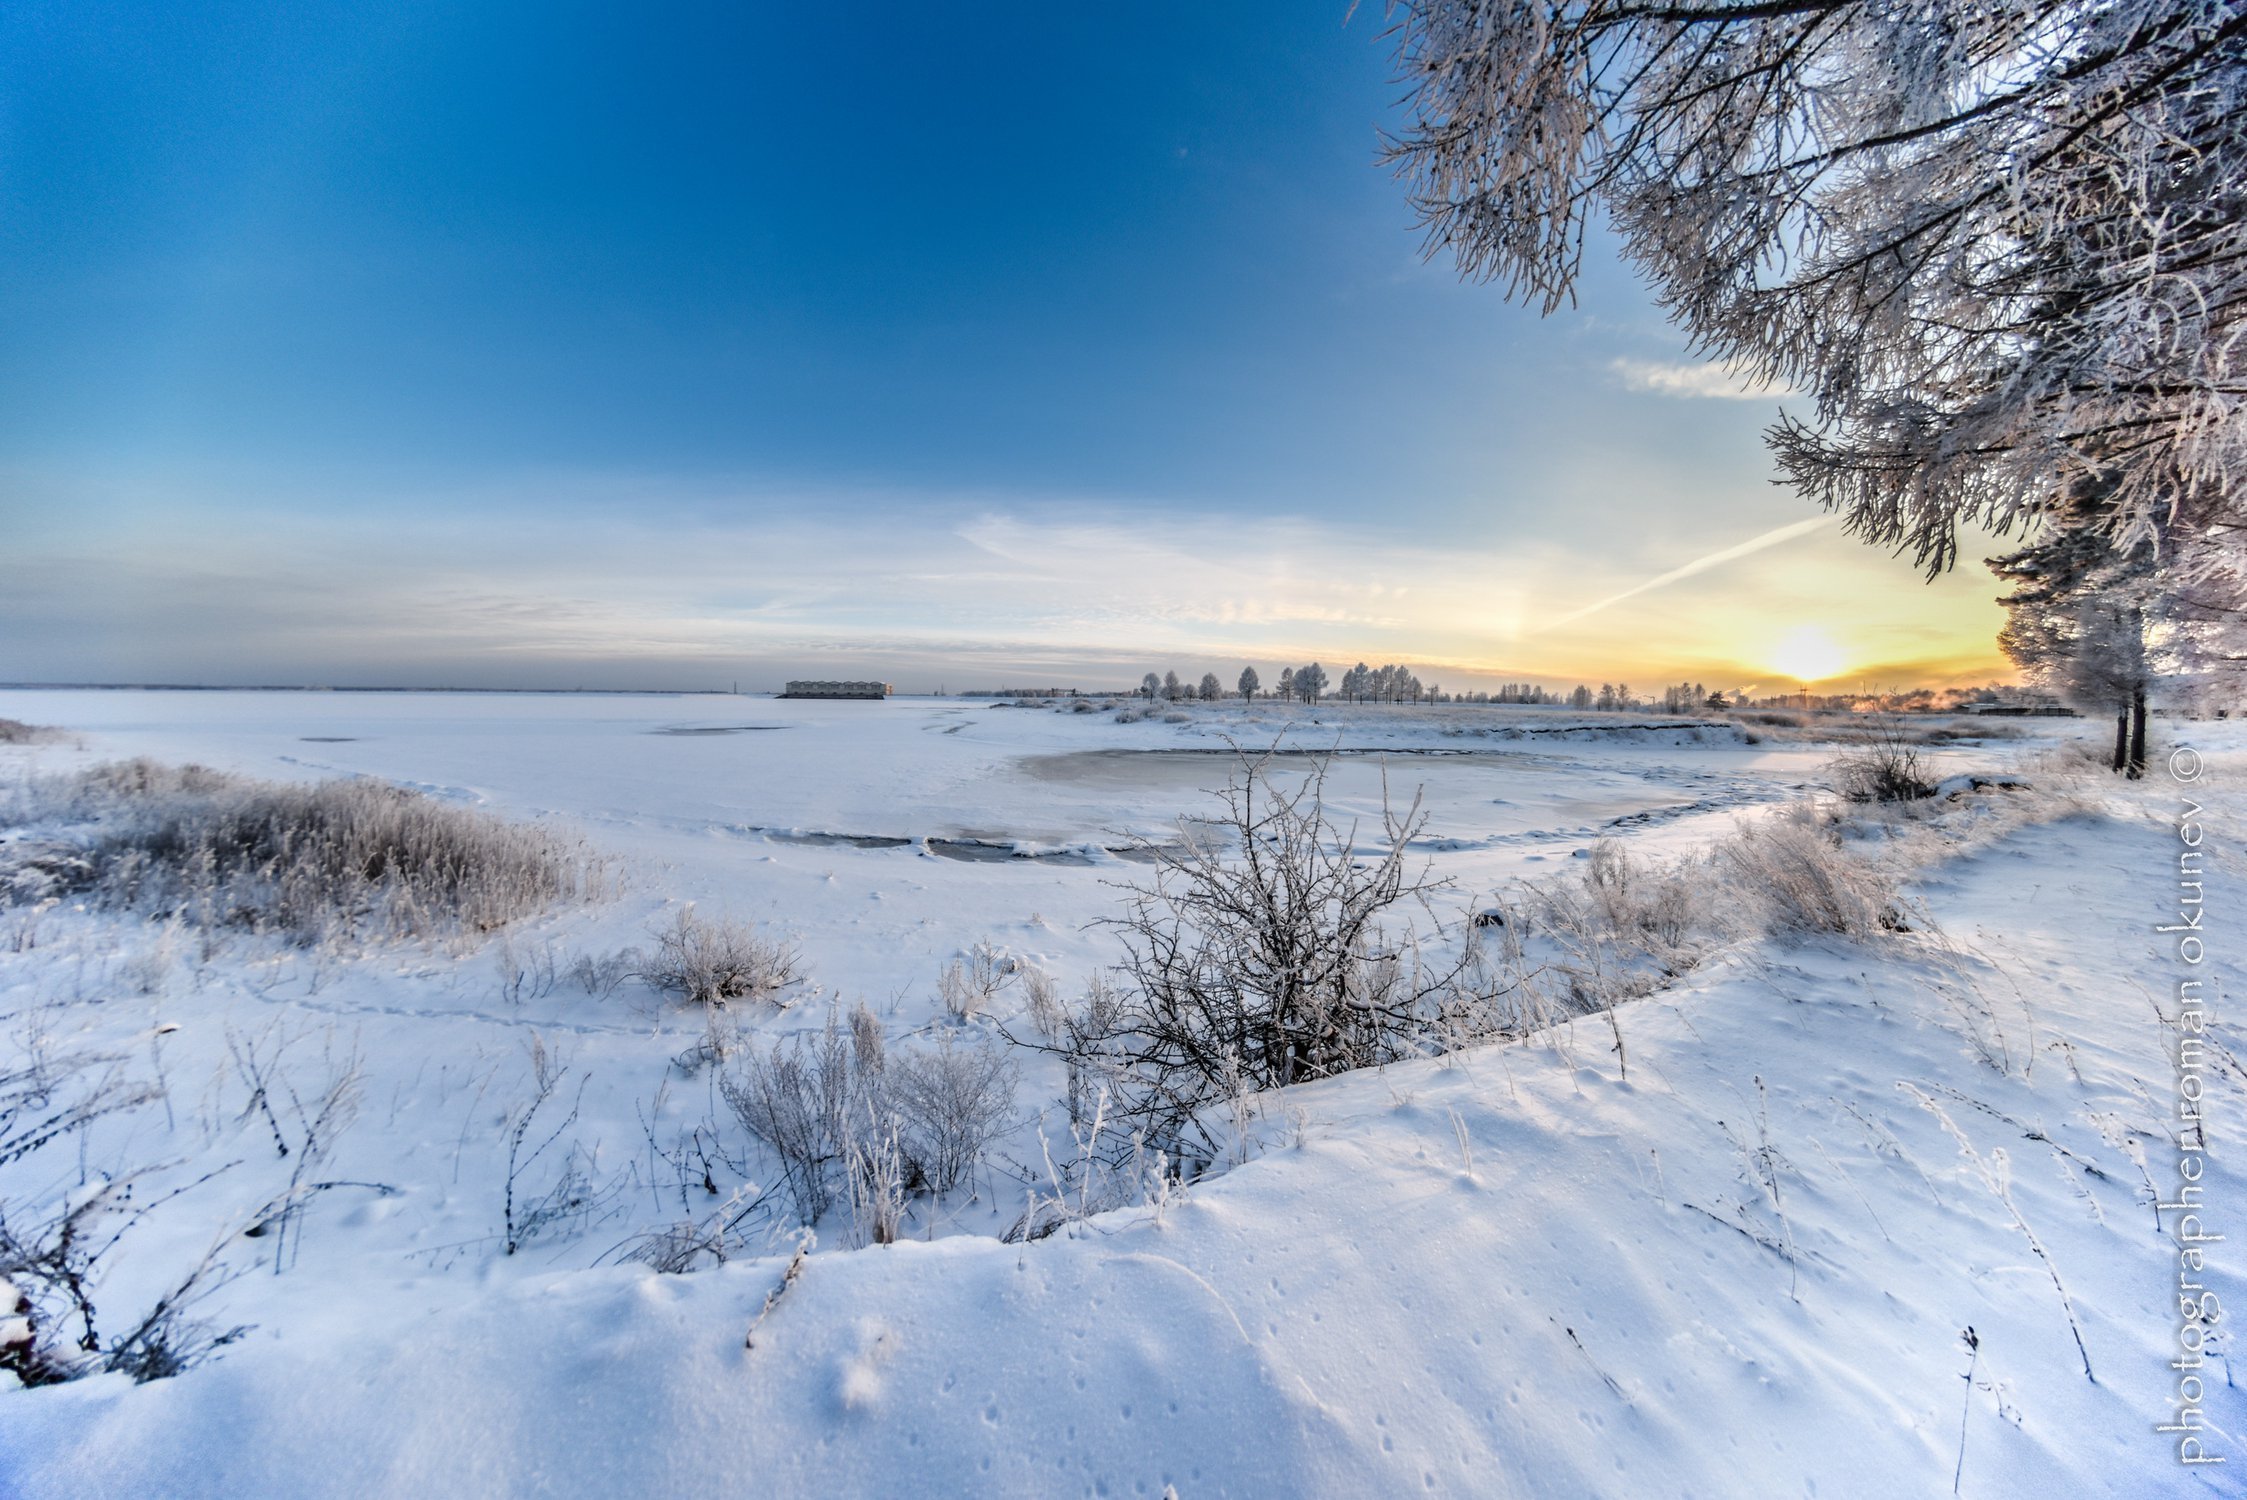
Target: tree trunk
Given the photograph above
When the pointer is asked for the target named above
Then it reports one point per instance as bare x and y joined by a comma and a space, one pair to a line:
2121, 740
2137, 731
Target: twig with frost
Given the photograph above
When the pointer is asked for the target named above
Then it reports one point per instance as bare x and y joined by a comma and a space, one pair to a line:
805, 1240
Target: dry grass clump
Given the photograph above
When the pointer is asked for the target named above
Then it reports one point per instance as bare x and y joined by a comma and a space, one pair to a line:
16, 732
334, 859
1630, 926
1796, 873
707, 962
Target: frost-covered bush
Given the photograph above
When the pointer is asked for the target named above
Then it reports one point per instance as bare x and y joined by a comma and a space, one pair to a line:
707, 962
852, 1121
16, 732
948, 1102
799, 1100
313, 862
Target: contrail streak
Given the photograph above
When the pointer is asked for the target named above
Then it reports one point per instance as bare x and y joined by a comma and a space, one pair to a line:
1753, 544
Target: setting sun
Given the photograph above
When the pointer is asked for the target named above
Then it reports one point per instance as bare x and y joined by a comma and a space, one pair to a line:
1808, 654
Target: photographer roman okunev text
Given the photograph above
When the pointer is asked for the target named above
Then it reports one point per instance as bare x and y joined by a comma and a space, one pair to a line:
2198, 1310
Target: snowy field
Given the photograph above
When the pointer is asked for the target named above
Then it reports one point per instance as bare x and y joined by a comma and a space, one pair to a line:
1726, 1247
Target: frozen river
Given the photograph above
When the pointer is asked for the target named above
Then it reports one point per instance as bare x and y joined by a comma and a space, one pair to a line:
879, 833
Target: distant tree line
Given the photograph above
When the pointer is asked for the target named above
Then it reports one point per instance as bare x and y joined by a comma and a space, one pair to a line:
1391, 683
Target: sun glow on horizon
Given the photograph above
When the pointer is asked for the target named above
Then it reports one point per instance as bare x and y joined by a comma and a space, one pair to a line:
1808, 654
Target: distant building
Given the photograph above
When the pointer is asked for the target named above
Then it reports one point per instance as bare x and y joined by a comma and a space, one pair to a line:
837, 690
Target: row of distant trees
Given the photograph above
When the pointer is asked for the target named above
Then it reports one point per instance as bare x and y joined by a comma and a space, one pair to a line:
1395, 684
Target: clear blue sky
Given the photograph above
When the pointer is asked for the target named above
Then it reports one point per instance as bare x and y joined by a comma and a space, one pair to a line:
576, 343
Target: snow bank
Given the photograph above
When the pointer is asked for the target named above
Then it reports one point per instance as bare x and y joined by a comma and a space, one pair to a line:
1743, 1269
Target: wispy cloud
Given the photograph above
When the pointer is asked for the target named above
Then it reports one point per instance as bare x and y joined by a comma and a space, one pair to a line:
1691, 382
1702, 564
975, 587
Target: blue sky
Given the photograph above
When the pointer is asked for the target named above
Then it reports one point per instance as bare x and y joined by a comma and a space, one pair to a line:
518, 345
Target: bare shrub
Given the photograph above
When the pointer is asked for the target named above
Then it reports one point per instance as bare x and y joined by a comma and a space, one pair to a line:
851, 1121
709, 1225
708, 962
525, 973
722, 1036
1662, 905
572, 1195
799, 1100
948, 1101
1278, 963
52, 1254
602, 975
1796, 874
1885, 766
50, 1330
334, 859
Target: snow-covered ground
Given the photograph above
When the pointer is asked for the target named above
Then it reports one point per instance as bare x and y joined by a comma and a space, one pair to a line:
1742, 1267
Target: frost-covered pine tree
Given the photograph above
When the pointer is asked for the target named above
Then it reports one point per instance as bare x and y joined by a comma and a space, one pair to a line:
1170, 687
1999, 246
1150, 685
1249, 683
1210, 690
1287, 682
1310, 681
